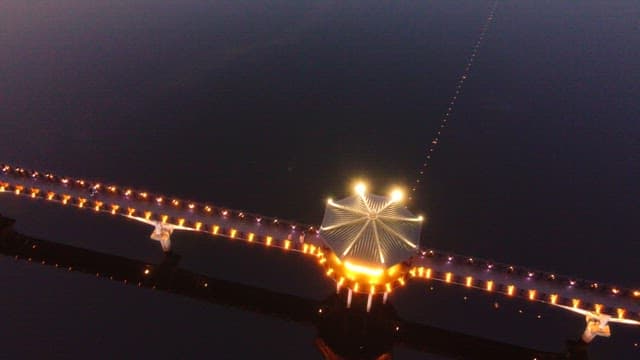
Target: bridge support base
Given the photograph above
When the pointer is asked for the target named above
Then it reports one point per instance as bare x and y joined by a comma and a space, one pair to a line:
162, 233
597, 325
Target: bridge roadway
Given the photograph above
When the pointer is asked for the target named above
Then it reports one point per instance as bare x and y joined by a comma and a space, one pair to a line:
572, 294
623, 305
158, 209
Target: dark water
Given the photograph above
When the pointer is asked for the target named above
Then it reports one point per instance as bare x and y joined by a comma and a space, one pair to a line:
273, 106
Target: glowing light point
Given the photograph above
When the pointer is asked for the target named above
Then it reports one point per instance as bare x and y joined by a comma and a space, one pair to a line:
360, 188
397, 195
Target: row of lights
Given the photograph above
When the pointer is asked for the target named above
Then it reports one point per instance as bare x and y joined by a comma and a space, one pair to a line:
530, 274
512, 291
116, 209
445, 118
158, 199
364, 288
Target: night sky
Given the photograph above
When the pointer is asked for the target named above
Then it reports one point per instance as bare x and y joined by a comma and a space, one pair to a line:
271, 107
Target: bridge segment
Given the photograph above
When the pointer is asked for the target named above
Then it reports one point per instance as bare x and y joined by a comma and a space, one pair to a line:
601, 304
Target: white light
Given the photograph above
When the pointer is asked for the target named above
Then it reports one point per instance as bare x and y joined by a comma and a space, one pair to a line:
360, 188
397, 195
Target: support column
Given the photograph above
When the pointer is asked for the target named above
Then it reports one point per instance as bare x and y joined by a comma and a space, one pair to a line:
162, 233
369, 299
349, 295
597, 325
385, 297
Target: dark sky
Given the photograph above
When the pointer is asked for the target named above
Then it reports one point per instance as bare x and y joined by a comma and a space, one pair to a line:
271, 106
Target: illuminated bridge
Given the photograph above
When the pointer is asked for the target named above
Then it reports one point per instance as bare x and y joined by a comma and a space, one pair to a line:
368, 244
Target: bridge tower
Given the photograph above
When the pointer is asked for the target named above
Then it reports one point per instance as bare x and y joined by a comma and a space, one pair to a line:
371, 241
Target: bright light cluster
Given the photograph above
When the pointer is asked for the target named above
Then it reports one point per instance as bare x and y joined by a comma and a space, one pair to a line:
362, 278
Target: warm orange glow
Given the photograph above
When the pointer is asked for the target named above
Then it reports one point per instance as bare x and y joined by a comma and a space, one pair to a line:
147, 215
165, 218
341, 281
575, 303
50, 195
198, 225
181, 222
128, 192
130, 211
553, 298
81, 202
175, 202
215, 229
330, 271
598, 308
361, 269
489, 285
144, 195
19, 189
401, 281
511, 290
447, 277
191, 206
391, 271
114, 208
269, 240
621, 312
146, 271
421, 271
287, 244
233, 233
356, 286
98, 205
372, 289
387, 286
312, 249
428, 273
34, 192
207, 209
322, 260
636, 293
469, 281
250, 237
305, 248
532, 294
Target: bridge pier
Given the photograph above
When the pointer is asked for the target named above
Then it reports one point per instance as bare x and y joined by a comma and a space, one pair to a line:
162, 233
597, 325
